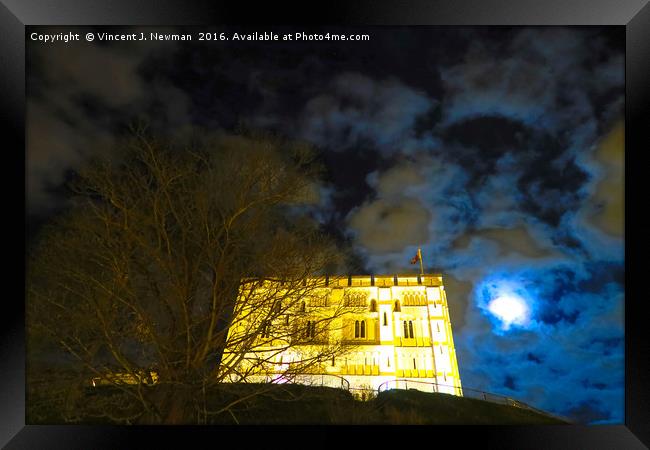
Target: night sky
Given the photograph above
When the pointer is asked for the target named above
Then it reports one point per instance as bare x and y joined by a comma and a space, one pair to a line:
498, 150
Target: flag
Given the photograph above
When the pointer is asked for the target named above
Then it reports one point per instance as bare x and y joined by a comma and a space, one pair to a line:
416, 258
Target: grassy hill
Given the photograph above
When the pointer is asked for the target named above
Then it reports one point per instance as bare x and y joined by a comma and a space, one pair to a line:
296, 404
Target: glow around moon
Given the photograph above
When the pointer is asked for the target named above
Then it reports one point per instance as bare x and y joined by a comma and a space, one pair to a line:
506, 302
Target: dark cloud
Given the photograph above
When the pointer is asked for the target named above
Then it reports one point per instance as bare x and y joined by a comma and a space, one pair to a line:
534, 358
458, 299
79, 96
516, 240
384, 226
355, 108
509, 382
537, 71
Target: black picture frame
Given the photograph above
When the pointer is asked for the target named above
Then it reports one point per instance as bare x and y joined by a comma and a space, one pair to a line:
634, 15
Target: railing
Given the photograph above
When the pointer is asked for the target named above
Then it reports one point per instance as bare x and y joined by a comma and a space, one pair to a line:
327, 380
367, 393
419, 385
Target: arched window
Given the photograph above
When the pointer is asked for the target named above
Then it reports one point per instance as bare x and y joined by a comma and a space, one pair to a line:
397, 306
385, 318
410, 328
373, 305
356, 329
363, 328
406, 330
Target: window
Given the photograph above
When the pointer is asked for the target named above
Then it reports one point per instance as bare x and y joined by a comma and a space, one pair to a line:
408, 329
360, 329
333, 361
414, 366
385, 319
397, 306
373, 305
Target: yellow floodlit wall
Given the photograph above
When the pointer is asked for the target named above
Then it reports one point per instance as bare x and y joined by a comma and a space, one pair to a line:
407, 335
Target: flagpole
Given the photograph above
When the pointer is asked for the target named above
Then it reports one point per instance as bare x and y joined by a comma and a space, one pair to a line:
420, 258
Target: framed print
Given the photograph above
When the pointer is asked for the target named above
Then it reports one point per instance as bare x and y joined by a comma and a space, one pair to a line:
368, 214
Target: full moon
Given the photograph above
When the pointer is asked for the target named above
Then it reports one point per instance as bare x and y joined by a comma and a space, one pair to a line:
510, 309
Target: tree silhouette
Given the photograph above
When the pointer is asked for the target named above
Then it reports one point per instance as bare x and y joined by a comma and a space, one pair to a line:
167, 245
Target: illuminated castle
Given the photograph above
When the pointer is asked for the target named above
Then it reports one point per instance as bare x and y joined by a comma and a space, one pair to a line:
394, 331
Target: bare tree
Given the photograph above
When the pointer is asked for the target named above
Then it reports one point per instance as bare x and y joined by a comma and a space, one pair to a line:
138, 281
